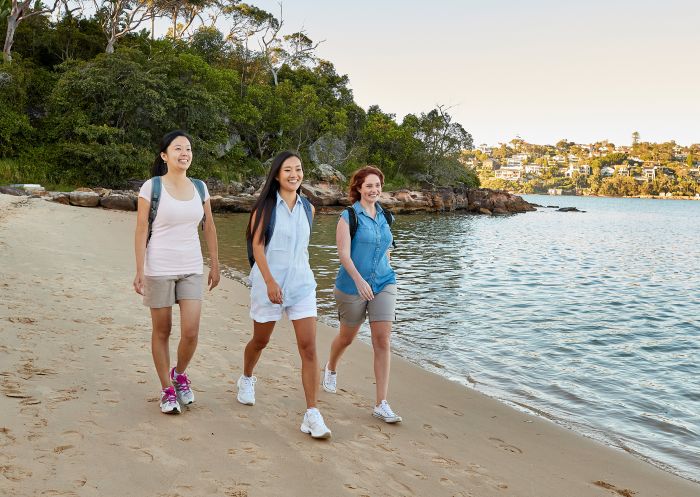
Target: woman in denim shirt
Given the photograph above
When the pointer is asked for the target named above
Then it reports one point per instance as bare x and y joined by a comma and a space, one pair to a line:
365, 286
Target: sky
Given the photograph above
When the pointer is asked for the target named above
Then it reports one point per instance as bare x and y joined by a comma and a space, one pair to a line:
542, 70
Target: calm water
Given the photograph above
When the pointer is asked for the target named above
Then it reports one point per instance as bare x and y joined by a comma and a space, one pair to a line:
589, 319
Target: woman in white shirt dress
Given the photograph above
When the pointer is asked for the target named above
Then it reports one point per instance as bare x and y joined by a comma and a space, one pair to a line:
282, 281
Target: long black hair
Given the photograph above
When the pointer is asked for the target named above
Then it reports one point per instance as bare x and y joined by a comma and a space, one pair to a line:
268, 197
159, 167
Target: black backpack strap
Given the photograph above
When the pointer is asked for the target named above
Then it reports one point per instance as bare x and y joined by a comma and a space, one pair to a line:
156, 187
201, 190
389, 220
309, 211
352, 221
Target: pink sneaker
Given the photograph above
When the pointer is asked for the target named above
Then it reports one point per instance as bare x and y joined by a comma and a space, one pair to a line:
182, 386
168, 401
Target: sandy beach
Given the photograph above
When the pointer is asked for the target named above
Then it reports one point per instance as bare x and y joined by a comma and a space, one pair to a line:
79, 398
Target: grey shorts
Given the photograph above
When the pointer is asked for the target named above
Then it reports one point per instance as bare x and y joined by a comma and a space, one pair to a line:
165, 291
352, 309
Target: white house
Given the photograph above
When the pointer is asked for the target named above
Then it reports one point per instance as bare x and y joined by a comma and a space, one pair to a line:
509, 173
607, 171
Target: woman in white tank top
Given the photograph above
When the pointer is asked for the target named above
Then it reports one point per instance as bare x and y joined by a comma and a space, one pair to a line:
169, 263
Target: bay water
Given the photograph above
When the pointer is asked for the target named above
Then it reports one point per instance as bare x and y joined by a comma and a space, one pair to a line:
590, 319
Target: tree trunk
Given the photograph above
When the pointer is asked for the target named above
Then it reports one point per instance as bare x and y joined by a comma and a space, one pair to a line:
110, 45
12, 21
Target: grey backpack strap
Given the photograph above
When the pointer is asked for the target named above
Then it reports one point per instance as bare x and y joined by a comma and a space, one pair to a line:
156, 187
201, 190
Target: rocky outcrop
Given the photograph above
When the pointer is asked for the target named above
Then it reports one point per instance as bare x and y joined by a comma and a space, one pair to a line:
328, 149
327, 173
326, 196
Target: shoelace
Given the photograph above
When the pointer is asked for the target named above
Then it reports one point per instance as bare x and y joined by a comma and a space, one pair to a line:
315, 417
384, 407
249, 382
331, 380
170, 395
183, 382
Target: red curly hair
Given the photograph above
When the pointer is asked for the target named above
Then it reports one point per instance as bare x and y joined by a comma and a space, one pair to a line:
358, 178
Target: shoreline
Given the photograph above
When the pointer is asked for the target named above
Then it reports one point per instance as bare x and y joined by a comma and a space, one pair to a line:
79, 387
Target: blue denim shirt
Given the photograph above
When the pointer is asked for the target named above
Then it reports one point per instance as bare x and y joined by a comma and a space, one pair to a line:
368, 251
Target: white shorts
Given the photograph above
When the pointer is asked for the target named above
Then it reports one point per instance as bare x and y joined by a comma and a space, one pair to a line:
264, 312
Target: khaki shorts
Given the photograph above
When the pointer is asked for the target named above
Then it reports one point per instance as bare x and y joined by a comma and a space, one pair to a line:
353, 309
165, 291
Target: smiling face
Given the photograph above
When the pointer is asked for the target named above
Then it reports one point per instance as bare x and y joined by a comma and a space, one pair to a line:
371, 189
178, 155
290, 175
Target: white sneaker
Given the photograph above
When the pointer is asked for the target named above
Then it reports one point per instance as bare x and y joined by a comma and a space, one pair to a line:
383, 411
182, 387
314, 425
329, 378
168, 401
246, 390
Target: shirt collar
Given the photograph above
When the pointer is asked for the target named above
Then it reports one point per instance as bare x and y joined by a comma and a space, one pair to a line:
280, 199
361, 210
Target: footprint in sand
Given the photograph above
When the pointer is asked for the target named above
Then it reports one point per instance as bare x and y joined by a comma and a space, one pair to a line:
507, 447
21, 320
5, 437
14, 473
434, 433
624, 492
456, 413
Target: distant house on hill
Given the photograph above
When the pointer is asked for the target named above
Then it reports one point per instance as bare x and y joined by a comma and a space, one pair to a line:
509, 173
607, 171
583, 169
490, 164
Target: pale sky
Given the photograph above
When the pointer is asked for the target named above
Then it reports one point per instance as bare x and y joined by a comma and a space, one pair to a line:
541, 69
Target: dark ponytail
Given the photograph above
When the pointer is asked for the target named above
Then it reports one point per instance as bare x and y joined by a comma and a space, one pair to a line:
160, 168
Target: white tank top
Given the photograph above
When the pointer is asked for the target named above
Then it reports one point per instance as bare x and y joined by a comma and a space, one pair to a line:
174, 246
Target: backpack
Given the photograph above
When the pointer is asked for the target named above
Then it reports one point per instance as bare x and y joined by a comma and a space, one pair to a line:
156, 188
352, 216
271, 227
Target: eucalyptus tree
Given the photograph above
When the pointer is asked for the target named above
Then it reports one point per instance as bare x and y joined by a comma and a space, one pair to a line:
118, 18
20, 10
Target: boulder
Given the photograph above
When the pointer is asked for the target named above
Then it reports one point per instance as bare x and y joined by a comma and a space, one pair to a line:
569, 209
60, 197
328, 149
328, 173
239, 203
8, 190
84, 198
119, 202
322, 193
484, 210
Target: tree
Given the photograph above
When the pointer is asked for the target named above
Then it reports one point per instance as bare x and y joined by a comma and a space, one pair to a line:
19, 11
635, 138
118, 18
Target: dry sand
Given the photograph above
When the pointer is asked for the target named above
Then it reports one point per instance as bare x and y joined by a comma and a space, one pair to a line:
79, 413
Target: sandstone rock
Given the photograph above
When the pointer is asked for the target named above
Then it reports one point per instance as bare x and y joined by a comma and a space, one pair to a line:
119, 202
500, 210
484, 210
324, 172
569, 209
328, 149
61, 198
83, 189
239, 203
84, 198
8, 190
322, 193
102, 192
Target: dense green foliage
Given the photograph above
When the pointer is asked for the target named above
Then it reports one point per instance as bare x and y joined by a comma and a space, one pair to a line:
73, 115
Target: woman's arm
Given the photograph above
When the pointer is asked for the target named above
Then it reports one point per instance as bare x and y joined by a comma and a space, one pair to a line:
140, 240
343, 242
212, 246
274, 292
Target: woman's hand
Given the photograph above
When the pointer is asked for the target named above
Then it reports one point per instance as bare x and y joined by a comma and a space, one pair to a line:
139, 282
274, 292
214, 278
364, 289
